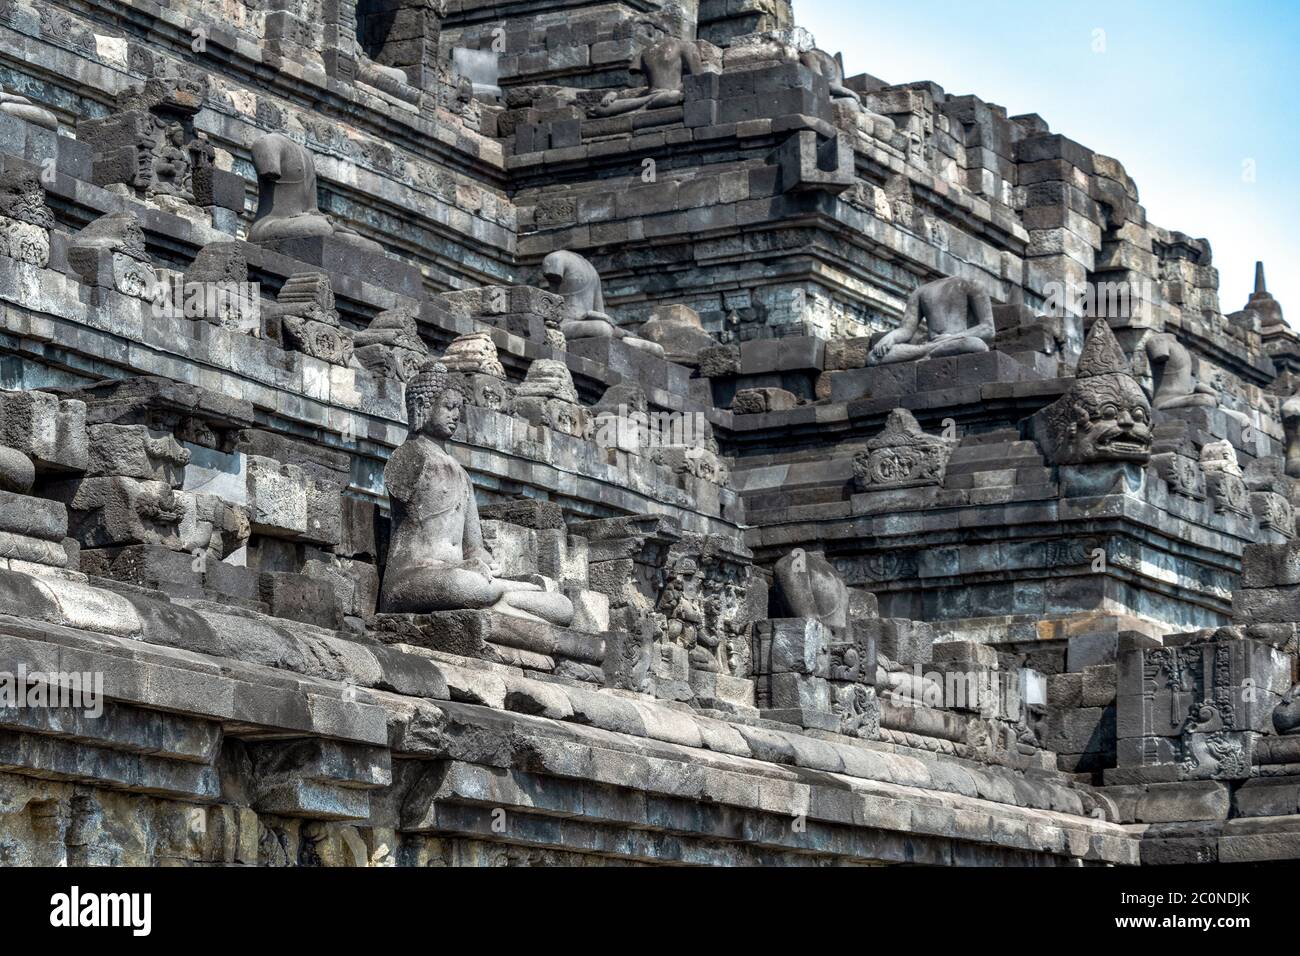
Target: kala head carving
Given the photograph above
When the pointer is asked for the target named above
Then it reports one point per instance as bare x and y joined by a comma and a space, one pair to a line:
1105, 416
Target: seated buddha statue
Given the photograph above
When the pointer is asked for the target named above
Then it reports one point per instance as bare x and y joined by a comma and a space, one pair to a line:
958, 316
437, 560
576, 280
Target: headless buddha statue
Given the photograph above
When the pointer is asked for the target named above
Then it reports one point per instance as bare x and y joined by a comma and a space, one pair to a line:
23, 108
663, 65
286, 196
576, 280
436, 558
821, 62
958, 316
1178, 386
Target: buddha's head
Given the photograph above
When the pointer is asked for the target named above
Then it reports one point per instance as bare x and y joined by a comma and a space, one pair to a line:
434, 399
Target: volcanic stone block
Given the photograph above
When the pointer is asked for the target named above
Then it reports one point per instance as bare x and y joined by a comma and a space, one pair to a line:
336, 256
31, 517
902, 641
355, 584
755, 401
792, 646
526, 512
795, 692
149, 566
324, 522
111, 511
1086, 730
590, 610
357, 534
562, 557
301, 598
1065, 691
51, 432
1098, 686
882, 381
277, 496
1267, 798
191, 413
1270, 565
1087, 650
482, 633
1183, 802
317, 779
22, 549
843, 354
132, 451
720, 361
965, 652
515, 548
972, 369
634, 364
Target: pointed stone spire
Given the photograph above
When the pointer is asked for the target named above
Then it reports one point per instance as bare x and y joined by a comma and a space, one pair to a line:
1262, 302
1101, 353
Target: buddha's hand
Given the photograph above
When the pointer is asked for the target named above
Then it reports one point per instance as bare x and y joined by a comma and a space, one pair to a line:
482, 567
884, 347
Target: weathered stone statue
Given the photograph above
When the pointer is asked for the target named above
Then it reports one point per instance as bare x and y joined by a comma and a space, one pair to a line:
663, 64
958, 316
576, 280
808, 586
1291, 424
16, 471
830, 67
173, 169
1104, 416
436, 559
1178, 387
23, 108
286, 196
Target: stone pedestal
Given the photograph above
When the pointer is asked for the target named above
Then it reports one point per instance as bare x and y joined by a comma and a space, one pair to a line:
336, 255
635, 365
500, 638
1195, 707
733, 695
32, 531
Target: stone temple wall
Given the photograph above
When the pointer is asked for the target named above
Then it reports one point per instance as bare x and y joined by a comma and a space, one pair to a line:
436, 432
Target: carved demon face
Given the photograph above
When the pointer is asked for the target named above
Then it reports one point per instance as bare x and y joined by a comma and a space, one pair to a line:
1106, 418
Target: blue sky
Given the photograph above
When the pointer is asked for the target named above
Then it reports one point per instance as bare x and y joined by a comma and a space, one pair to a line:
1185, 93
